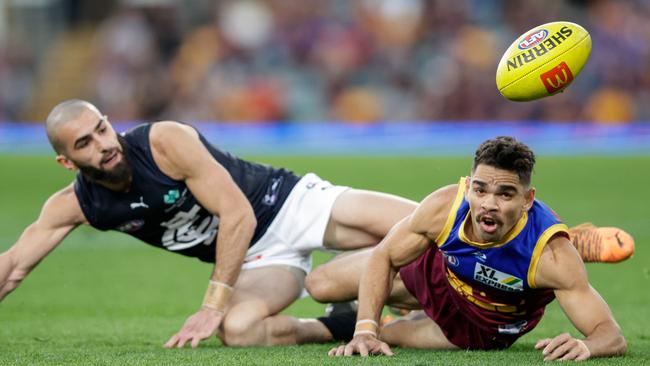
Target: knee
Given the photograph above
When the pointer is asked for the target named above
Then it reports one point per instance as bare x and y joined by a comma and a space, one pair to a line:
270, 331
320, 286
387, 334
238, 329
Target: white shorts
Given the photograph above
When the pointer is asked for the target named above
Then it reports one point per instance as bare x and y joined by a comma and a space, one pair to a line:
299, 227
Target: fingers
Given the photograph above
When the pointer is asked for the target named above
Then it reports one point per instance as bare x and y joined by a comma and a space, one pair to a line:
349, 350
555, 342
182, 341
385, 349
583, 351
560, 351
333, 351
542, 343
199, 326
340, 351
195, 341
362, 348
172, 341
571, 355
564, 348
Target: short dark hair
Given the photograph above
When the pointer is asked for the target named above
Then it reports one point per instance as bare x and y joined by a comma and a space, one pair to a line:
506, 153
61, 114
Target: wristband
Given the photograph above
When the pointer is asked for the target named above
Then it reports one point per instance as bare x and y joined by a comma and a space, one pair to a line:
217, 295
366, 326
364, 331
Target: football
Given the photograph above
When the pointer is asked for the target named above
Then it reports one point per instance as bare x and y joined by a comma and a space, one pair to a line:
543, 61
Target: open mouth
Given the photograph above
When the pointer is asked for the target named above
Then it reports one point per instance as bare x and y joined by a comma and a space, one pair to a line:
110, 159
488, 224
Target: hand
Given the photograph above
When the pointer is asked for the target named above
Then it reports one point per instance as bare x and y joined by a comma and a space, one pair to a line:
199, 326
364, 345
563, 348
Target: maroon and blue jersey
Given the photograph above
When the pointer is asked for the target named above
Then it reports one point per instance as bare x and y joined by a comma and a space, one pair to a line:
492, 285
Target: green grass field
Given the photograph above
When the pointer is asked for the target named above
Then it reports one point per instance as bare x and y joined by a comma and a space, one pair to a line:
103, 298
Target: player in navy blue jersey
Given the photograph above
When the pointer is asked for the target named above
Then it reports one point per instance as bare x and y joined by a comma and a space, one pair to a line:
164, 184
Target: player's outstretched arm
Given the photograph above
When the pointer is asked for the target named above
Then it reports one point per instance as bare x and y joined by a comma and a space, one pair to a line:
561, 268
180, 154
404, 243
60, 214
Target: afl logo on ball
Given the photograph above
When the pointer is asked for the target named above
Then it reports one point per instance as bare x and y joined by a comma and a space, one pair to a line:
533, 38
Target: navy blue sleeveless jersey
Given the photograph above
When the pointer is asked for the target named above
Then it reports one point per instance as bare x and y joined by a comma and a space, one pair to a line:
163, 212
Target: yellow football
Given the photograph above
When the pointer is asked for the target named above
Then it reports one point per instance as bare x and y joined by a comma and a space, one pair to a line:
543, 61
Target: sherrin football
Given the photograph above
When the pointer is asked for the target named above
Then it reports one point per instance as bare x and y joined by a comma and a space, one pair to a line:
543, 61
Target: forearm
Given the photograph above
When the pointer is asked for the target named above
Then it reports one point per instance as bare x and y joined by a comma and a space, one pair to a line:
606, 340
376, 284
235, 234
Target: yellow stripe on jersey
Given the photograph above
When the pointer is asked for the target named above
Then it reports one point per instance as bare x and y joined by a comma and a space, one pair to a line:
449, 224
467, 292
539, 246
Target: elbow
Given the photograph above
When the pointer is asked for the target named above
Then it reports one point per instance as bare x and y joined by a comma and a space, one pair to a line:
249, 220
245, 220
622, 346
616, 346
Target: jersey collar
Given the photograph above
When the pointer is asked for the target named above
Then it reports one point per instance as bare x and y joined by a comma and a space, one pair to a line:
519, 226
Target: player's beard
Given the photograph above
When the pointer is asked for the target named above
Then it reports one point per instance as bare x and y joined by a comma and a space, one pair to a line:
119, 175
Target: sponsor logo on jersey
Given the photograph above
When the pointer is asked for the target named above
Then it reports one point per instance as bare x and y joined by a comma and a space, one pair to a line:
514, 328
497, 279
130, 226
557, 77
539, 49
189, 228
533, 38
451, 260
171, 196
179, 201
480, 256
272, 191
140, 204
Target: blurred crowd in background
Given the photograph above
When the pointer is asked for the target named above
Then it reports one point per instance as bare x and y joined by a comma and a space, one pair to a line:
299, 61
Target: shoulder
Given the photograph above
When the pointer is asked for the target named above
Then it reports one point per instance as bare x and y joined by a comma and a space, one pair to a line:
62, 208
430, 216
175, 147
560, 266
164, 133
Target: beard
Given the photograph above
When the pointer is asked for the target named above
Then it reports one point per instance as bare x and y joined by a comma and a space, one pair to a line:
119, 175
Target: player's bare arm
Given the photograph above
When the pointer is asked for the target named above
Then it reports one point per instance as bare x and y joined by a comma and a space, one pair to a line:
404, 243
561, 269
60, 215
180, 154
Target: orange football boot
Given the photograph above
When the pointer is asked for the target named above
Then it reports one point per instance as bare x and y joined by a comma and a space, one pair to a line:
602, 244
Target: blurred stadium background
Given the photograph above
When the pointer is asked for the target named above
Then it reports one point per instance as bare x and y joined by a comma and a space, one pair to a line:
291, 83
296, 62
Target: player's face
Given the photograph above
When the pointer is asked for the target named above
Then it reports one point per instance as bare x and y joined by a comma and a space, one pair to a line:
93, 146
497, 200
